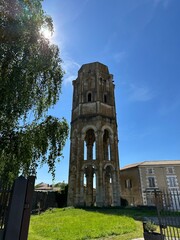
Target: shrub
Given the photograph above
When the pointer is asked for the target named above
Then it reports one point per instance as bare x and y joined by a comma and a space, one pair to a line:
149, 226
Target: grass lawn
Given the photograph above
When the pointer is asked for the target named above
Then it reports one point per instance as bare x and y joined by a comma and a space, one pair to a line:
82, 224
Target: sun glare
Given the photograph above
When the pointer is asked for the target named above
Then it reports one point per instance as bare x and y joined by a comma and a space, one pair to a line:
46, 33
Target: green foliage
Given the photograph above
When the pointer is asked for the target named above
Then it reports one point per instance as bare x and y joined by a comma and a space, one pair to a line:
30, 83
150, 226
61, 185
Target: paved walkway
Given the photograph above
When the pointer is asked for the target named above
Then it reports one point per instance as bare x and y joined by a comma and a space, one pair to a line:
138, 239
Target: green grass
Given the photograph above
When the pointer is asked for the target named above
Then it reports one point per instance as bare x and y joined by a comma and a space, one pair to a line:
79, 224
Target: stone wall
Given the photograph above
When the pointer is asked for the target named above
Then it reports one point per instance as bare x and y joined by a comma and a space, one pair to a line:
130, 186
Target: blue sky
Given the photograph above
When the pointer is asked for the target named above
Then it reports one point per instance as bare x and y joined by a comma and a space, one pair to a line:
139, 41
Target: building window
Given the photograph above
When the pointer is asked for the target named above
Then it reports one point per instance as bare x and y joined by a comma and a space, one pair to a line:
151, 181
150, 170
150, 200
172, 181
128, 183
170, 170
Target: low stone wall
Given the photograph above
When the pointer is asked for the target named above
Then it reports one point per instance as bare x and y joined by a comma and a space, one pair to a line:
43, 200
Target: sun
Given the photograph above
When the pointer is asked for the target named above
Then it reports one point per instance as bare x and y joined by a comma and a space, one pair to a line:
46, 33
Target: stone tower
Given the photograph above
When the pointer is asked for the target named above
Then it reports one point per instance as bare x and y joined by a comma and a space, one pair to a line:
94, 161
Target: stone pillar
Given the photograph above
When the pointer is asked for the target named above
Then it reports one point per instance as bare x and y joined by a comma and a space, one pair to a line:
81, 201
89, 187
99, 194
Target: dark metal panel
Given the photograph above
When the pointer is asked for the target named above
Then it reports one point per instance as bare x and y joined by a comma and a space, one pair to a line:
13, 227
27, 208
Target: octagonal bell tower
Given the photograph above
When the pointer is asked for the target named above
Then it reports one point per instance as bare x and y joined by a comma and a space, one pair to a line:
94, 161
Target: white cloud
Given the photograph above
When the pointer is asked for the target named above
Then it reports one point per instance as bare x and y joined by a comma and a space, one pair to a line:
140, 93
164, 3
71, 69
72, 10
130, 133
119, 56
170, 107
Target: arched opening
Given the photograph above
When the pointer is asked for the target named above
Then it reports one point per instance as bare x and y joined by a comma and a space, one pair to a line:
106, 145
90, 145
89, 186
84, 188
85, 151
94, 151
84, 181
94, 188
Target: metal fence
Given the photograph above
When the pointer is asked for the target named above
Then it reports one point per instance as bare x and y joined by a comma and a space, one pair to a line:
167, 203
168, 209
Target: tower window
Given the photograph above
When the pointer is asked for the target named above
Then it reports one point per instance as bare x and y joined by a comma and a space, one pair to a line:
89, 97
105, 98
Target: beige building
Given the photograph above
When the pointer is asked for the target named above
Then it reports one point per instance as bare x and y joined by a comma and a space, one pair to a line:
138, 181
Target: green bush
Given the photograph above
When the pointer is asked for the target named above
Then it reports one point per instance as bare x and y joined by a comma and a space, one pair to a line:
150, 226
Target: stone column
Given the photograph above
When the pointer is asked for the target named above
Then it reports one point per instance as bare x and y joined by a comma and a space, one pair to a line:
89, 187
99, 176
81, 197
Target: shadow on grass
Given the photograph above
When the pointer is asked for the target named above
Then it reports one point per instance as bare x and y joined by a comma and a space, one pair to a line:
137, 213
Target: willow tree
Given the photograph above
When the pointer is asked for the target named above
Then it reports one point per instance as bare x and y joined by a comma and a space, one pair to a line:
30, 83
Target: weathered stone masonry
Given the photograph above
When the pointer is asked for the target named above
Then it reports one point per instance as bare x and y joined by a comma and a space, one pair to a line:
94, 161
